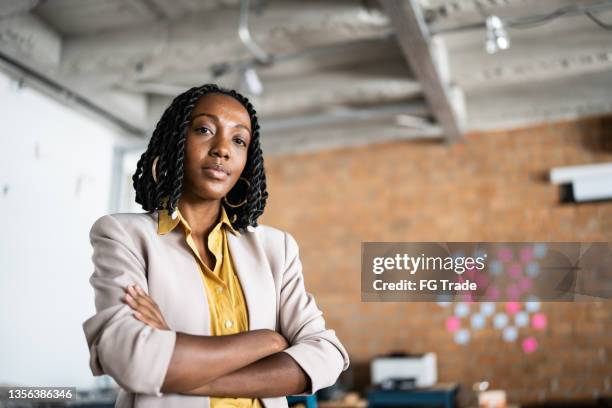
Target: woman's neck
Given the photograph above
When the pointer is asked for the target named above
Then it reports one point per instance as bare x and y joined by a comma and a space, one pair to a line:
201, 215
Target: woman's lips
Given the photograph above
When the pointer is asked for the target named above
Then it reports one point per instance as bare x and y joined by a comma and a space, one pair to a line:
215, 172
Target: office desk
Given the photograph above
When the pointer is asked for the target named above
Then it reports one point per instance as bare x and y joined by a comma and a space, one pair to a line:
440, 395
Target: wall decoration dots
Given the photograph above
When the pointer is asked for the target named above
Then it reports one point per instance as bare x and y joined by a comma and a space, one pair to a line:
526, 254
513, 292
492, 293
496, 267
505, 254
500, 320
539, 321
540, 250
525, 284
510, 334
530, 344
533, 269
487, 308
477, 321
521, 319
513, 318
462, 309
515, 270
462, 336
513, 307
453, 324
532, 306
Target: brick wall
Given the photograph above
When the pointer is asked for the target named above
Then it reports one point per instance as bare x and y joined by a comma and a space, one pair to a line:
493, 187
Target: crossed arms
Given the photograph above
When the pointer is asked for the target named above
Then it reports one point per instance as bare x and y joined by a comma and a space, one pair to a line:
258, 363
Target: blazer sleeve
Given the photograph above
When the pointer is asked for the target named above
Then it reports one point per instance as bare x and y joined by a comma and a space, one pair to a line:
134, 354
316, 349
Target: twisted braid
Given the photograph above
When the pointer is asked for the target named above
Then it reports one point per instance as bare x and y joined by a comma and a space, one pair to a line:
168, 142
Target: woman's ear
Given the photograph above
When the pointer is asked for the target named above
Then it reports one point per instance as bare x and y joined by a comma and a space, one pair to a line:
154, 170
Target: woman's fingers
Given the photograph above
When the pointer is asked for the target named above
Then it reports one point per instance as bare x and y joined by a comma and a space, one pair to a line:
140, 295
139, 304
146, 310
148, 321
140, 307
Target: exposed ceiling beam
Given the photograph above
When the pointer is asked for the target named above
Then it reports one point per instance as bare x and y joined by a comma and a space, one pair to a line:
542, 68
416, 44
343, 136
143, 53
579, 48
89, 104
287, 96
331, 90
31, 51
346, 59
508, 106
27, 37
347, 116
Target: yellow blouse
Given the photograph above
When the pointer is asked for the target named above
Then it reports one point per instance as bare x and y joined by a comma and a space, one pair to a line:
228, 312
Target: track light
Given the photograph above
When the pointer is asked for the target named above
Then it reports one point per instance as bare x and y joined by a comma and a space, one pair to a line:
497, 36
251, 81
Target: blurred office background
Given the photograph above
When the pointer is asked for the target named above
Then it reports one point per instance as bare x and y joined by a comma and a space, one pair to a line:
392, 120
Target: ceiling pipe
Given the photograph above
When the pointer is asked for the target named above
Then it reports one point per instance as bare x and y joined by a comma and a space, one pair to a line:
530, 20
342, 115
245, 35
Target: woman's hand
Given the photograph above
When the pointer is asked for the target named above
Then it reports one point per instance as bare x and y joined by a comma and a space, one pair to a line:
281, 341
145, 308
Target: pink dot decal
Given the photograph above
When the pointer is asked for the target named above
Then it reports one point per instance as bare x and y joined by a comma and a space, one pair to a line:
530, 345
515, 271
514, 292
526, 254
492, 293
452, 324
505, 254
525, 284
481, 280
518, 318
538, 321
513, 307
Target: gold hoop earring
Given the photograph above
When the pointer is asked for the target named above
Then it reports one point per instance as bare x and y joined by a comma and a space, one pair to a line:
243, 202
154, 170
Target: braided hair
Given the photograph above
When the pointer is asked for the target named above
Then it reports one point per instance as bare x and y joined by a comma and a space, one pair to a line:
168, 142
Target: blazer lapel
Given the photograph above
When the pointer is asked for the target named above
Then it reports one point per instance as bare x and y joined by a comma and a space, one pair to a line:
256, 280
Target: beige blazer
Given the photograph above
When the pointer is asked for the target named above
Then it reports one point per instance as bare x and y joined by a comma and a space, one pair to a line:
128, 250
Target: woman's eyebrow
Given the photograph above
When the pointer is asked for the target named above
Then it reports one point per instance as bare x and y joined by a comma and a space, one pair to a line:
244, 127
210, 115
205, 114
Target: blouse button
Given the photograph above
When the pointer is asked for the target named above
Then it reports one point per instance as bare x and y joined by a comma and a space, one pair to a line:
228, 323
219, 290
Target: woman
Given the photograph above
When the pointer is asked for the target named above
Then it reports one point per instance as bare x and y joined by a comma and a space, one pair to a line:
196, 304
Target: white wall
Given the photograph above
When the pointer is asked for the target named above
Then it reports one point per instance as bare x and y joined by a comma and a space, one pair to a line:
55, 181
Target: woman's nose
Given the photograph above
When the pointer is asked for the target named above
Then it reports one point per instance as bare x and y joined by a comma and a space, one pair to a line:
220, 152
219, 149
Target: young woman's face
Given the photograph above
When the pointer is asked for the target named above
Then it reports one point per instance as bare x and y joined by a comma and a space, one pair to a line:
216, 146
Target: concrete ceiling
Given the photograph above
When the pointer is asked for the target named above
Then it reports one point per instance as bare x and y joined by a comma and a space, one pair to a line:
346, 72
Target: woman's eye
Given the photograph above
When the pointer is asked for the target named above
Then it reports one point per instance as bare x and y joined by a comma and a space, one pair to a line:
240, 141
203, 130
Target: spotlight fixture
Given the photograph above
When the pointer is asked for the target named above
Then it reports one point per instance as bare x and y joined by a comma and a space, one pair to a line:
251, 81
497, 36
